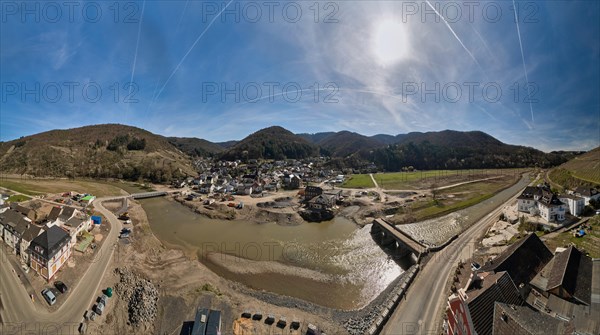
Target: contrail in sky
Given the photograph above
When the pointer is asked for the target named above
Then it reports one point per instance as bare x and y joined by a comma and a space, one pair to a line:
191, 48
523, 59
182, 14
137, 43
453, 33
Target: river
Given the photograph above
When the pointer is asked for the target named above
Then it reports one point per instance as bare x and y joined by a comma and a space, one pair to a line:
334, 264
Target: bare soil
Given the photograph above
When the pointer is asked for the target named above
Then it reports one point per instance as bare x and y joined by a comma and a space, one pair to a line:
185, 284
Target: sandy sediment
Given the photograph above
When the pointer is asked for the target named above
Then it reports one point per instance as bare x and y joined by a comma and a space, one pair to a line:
245, 266
250, 213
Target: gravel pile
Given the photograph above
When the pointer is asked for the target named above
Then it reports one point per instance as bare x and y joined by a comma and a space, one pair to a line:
140, 294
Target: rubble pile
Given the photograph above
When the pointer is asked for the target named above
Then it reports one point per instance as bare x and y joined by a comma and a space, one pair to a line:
140, 294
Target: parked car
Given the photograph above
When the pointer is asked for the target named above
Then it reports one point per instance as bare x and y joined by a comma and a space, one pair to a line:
61, 287
99, 308
49, 296
475, 266
82, 328
124, 235
125, 230
102, 299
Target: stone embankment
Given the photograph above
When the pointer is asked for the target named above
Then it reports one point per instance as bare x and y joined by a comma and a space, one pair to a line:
373, 322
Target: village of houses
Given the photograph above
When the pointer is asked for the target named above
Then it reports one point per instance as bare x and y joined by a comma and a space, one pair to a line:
224, 180
46, 236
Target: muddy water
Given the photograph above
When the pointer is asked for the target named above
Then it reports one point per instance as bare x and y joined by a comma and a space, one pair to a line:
352, 270
348, 269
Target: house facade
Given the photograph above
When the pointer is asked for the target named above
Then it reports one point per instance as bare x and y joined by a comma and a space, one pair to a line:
322, 202
574, 204
550, 207
50, 251
28, 236
543, 202
77, 225
14, 225
311, 192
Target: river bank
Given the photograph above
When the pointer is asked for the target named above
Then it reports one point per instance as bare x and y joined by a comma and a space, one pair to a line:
178, 252
184, 283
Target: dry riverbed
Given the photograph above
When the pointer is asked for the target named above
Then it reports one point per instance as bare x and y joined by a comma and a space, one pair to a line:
184, 284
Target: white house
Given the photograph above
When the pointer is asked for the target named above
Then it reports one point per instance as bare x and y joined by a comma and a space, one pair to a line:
540, 200
527, 201
76, 225
551, 208
587, 194
575, 204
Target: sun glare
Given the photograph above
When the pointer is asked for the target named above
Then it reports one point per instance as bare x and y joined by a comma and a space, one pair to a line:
389, 42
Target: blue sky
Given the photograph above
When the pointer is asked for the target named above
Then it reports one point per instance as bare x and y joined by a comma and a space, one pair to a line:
220, 70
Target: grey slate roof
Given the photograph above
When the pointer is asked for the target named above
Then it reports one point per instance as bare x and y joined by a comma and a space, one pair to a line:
32, 232
54, 213
522, 260
50, 242
73, 222
66, 213
30, 213
529, 192
549, 199
14, 221
586, 191
524, 320
497, 287
572, 270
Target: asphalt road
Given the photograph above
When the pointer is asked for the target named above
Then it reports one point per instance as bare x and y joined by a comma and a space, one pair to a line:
421, 310
20, 314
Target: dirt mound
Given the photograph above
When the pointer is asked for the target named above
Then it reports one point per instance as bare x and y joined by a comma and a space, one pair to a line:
141, 297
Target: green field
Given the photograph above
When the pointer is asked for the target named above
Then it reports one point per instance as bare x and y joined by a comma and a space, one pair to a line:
53, 186
18, 198
359, 181
422, 180
450, 199
459, 197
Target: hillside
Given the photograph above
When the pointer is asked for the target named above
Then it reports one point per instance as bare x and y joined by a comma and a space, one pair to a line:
227, 144
345, 143
450, 149
388, 139
316, 137
452, 138
581, 170
99, 151
271, 143
196, 146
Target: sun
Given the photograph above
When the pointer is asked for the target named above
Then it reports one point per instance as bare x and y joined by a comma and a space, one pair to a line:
390, 42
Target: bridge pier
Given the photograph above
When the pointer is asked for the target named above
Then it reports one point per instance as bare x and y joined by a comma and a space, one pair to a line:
396, 243
388, 240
